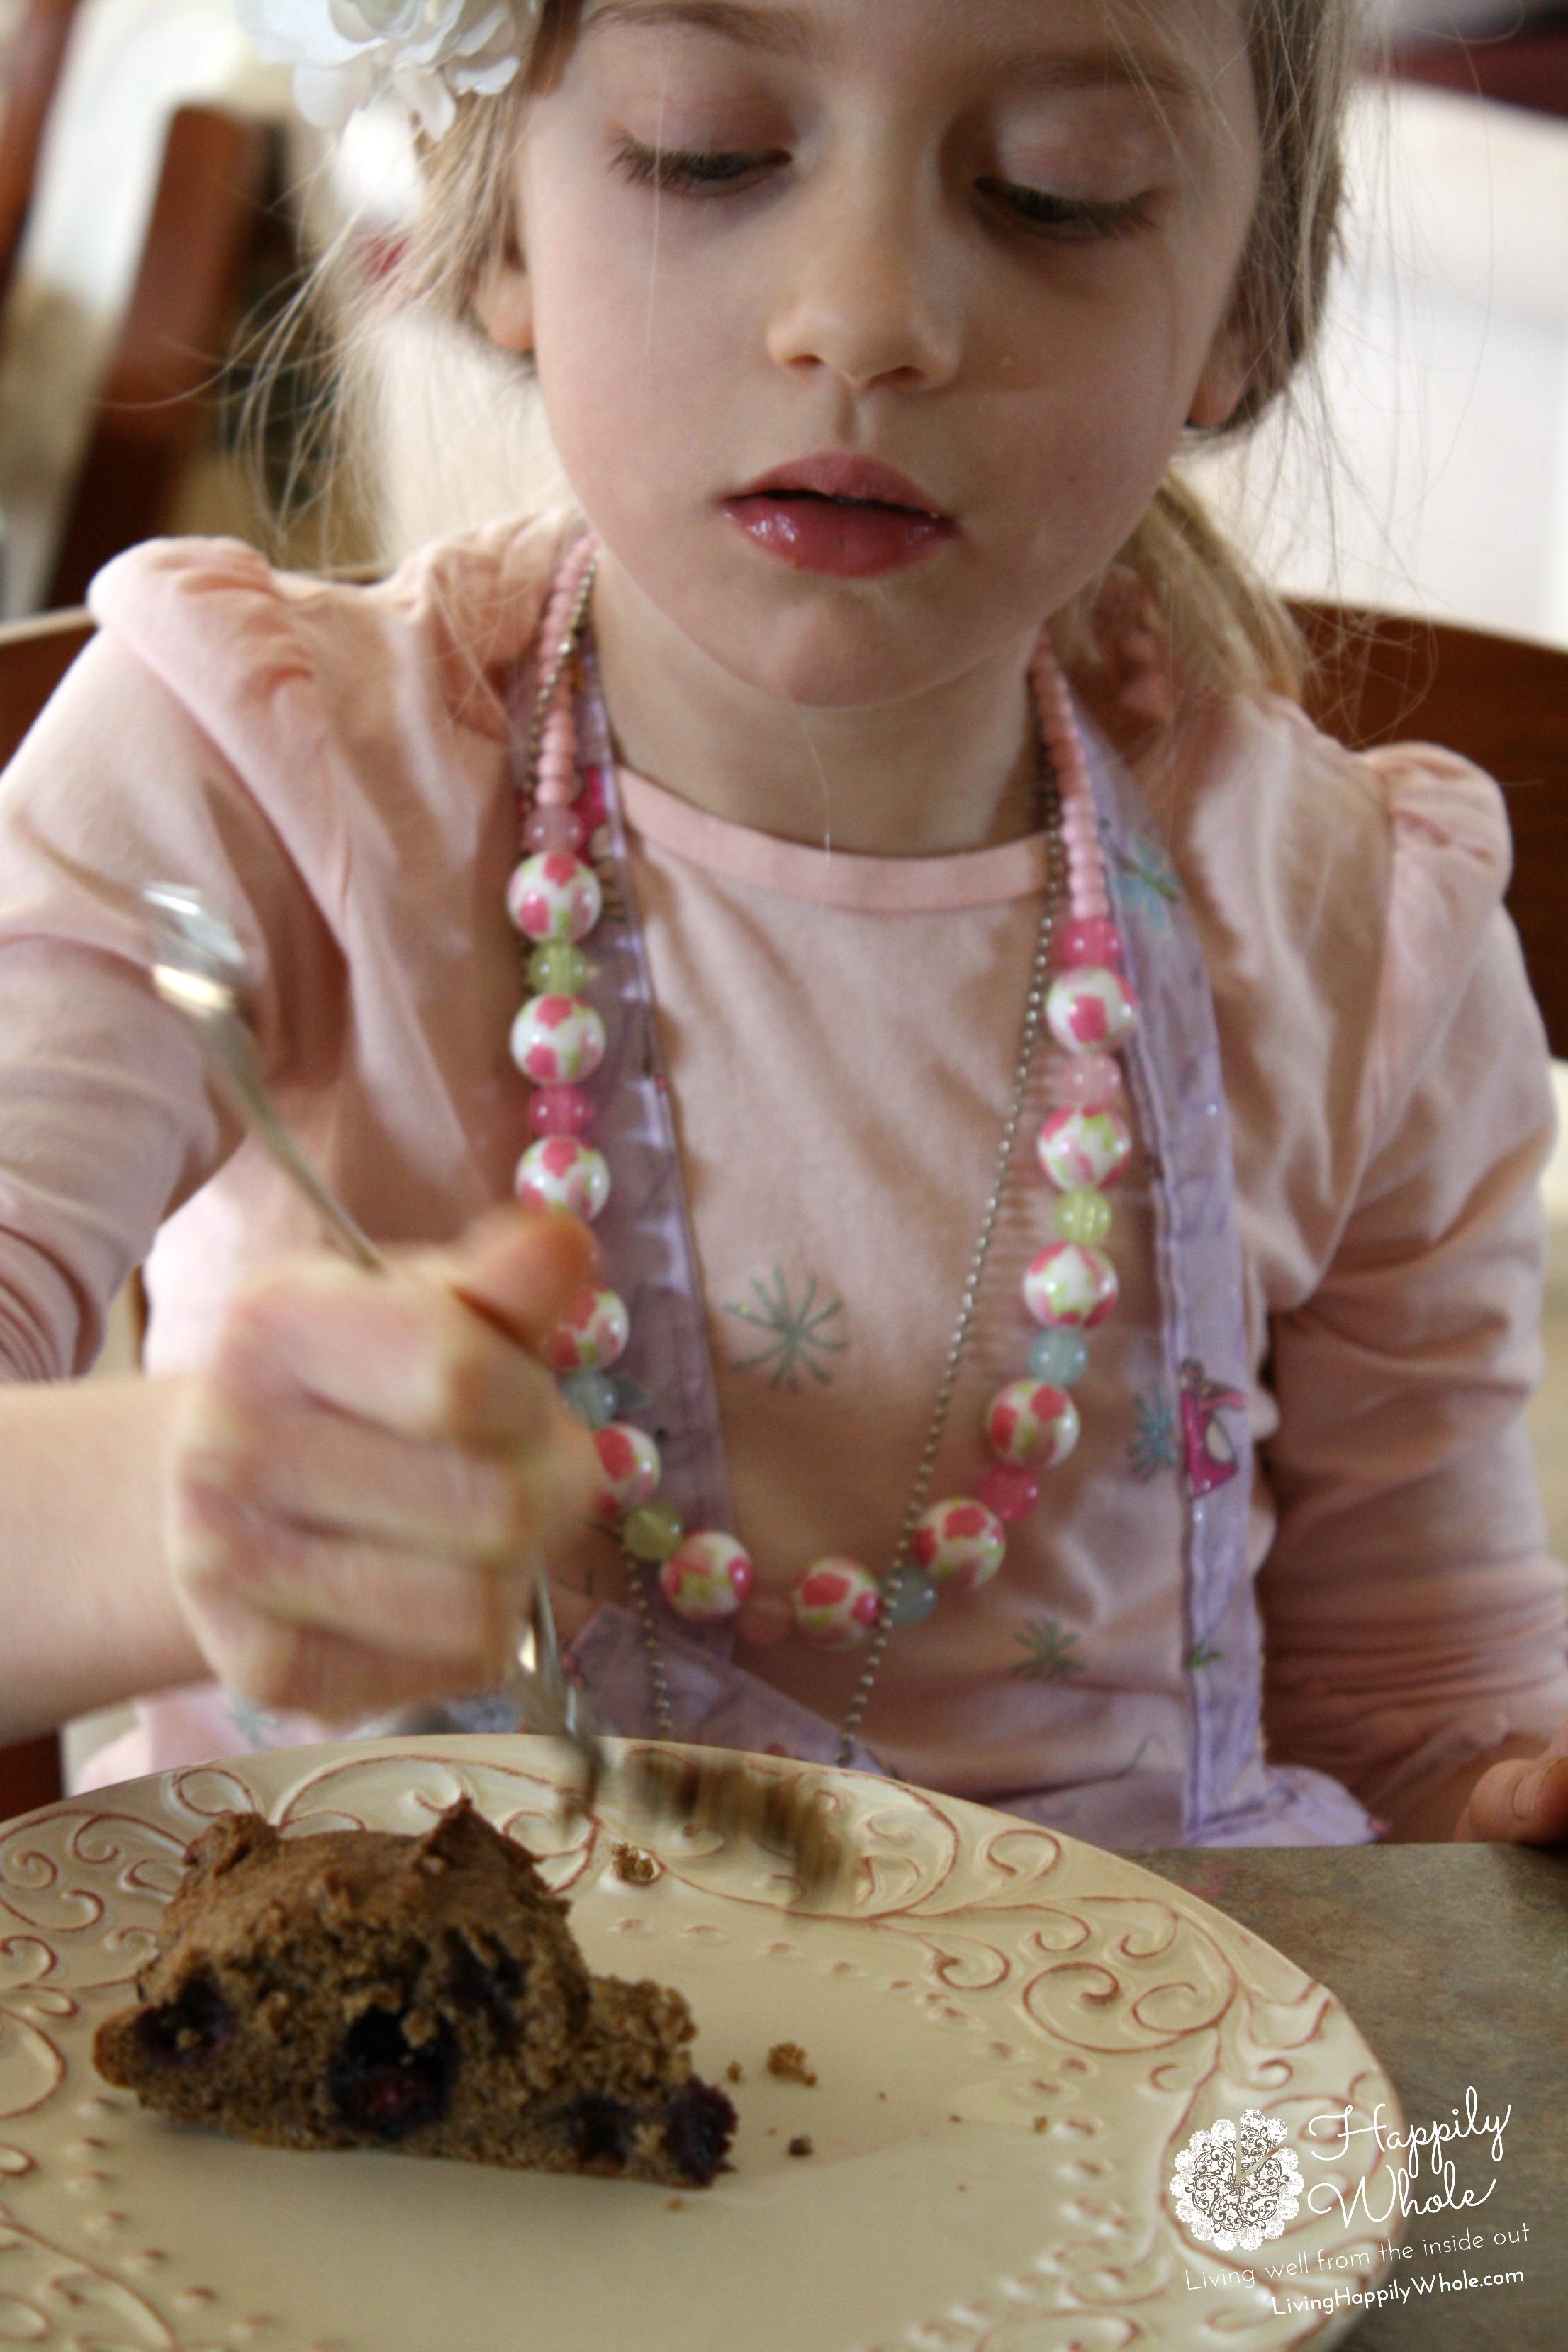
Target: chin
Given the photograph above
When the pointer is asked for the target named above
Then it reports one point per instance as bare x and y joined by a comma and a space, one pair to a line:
826, 645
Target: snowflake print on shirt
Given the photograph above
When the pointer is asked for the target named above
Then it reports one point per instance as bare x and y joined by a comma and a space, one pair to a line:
1047, 1653
1148, 879
1154, 1446
797, 1334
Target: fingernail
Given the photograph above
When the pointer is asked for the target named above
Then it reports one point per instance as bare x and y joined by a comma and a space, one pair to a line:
1526, 1789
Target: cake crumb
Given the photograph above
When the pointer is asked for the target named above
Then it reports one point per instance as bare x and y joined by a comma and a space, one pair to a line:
881, 2095
675, 2204
1042, 2122
801, 2145
788, 2060
632, 1865
955, 2119
734, 2072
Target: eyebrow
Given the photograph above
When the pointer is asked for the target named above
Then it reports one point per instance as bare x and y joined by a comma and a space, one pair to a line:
779, 31
787, 33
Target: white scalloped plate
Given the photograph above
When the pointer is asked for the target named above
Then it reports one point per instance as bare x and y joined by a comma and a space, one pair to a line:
1013, 2034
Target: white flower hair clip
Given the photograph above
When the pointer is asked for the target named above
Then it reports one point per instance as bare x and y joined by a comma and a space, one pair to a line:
426, 53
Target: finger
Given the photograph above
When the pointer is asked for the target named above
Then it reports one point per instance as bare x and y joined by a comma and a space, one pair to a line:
520, 1269
1522, 1802
306, 1466
313, 1670
233, 1562
403, 1351
333, 1629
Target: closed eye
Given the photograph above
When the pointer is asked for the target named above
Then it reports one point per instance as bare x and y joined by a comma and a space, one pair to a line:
694, 171
1074, 220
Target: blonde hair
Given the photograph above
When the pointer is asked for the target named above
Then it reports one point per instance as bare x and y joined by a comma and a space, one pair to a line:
1224, 625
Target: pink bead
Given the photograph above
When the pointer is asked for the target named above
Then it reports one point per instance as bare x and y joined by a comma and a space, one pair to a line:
591, 800
1084, 1082
554, 792
563, 828
1088, 940
559, 1110
1008, 1492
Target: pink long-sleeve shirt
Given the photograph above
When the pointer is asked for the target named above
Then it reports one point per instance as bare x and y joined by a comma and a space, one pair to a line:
329, 764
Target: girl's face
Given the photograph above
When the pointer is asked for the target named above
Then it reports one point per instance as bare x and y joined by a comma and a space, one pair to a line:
865, 328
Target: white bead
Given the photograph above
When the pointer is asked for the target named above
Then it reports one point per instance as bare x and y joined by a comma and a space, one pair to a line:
1070, 1283
836, 1604
591, 1334
555, 1040
708, 1578
629, 1460
560, 1172
554, 895
1091, 1009
959, 1542
1032, 1424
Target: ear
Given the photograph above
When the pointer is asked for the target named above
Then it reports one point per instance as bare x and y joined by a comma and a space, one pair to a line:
1222, 383
503, 301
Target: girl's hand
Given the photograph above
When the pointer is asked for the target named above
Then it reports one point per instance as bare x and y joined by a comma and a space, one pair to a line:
359, 1481
1523, 1801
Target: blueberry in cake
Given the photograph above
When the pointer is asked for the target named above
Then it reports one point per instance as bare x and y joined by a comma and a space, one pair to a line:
359, 1989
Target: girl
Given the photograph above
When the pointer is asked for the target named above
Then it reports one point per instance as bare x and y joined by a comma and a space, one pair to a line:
1161, 1479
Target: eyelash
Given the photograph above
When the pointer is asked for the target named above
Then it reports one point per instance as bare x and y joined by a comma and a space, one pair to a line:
721, 171
690, 171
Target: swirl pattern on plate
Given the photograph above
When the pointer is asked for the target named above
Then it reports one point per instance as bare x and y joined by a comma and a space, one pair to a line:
1018, 2031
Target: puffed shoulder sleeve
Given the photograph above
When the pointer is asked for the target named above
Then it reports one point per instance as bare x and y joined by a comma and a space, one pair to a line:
1413, 1618
106, 1121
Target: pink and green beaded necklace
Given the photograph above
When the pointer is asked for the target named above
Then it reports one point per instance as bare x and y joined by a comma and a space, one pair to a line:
555, 897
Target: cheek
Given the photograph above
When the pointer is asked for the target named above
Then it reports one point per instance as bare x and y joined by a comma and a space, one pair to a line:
632, 358
1081, 405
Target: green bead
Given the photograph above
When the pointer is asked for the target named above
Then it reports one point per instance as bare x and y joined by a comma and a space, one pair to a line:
1083, 1215
652, 1533
557, 969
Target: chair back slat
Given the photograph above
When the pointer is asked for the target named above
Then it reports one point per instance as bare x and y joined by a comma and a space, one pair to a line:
182, 313
33, 64
1501, 701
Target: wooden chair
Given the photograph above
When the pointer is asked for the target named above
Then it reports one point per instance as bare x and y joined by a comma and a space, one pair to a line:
208, 218
33, 64
1377, 679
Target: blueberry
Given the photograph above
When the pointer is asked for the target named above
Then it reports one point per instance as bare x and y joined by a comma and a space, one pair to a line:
197, 2024
602, 2129
492, 1990
382, 2087
698, 2124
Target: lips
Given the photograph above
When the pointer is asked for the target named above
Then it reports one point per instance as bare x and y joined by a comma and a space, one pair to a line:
842, 516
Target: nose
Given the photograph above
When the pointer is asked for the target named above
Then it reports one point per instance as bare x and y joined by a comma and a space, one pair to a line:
866, 292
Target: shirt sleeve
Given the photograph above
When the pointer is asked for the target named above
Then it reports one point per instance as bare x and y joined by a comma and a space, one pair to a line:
107, 1121
1413, 1618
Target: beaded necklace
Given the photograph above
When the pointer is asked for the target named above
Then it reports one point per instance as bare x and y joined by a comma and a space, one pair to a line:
555, 897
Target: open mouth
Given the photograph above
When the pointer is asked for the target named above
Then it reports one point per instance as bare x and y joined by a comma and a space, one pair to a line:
846, 517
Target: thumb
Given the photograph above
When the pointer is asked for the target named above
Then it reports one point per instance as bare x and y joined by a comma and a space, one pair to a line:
520, 1269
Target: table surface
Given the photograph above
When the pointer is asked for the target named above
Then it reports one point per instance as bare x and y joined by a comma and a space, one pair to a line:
1453, 1960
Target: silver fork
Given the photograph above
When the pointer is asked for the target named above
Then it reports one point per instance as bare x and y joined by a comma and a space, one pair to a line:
199, 969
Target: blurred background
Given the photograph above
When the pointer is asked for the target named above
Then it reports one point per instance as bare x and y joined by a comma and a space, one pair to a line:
158, 206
